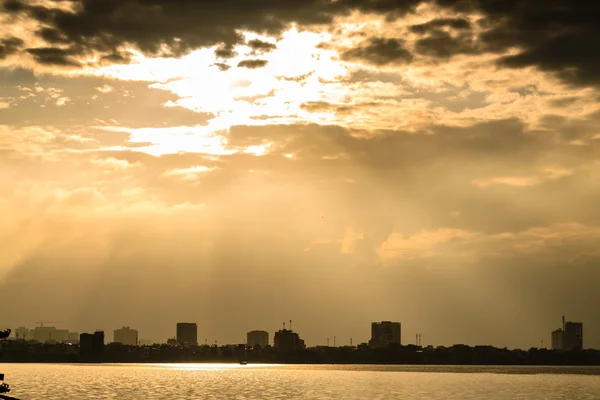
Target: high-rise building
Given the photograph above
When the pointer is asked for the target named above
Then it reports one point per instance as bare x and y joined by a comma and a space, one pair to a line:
385, 333
187, 333
573, 336
557, 339
126, 335
287, 341
569, 338
91, 346
257, 338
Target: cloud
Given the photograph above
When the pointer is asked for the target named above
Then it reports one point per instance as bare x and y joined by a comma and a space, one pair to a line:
10, 46
222, 66
428, 166
252, 64
176, 27
256, 44
557, 36
380, 51
435, 24
55, 56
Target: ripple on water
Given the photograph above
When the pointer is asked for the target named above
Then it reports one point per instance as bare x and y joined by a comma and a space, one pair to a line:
221, 381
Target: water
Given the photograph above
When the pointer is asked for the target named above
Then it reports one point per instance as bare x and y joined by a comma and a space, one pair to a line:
319, 382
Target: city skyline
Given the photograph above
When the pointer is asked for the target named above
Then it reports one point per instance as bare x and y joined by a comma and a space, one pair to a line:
337, 162
382, 334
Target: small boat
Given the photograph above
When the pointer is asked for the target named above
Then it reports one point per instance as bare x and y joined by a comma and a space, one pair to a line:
243, 362
4, 388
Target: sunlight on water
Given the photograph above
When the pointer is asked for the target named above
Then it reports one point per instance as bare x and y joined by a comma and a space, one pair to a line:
210, 367
234, 381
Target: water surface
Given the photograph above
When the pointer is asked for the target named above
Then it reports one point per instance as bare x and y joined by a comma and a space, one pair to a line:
319, 382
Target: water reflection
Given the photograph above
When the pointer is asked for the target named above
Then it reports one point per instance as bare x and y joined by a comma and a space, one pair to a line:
254, 381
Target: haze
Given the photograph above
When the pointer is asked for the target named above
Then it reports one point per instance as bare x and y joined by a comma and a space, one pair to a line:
242, 163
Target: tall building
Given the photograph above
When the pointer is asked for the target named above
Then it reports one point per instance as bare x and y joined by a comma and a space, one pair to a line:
187, 333
257, 338
385, 333
287, 341
126, 335
557, 339
569, 338
91, 346
573, 336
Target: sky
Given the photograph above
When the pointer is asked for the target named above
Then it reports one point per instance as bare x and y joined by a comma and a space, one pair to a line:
242, 163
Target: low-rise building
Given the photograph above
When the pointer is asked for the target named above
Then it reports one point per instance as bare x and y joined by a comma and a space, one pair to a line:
126, 335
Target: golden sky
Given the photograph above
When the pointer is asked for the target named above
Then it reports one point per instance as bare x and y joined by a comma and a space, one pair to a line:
242, 163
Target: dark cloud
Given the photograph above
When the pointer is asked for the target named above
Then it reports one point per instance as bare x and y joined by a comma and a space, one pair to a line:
10, 46
252, 64
52, 35
117, 58
226, 50
55, 56
380, 51
222, 66
182, 25
440, 44
339, 109
435, 24
558, 36
256, 44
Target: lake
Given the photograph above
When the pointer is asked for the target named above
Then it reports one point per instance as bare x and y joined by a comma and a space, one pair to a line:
230, 381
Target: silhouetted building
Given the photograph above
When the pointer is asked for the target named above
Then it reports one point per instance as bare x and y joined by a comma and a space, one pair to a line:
573, 336
287, 341
260, 338
569, 338
557, 339
187, 333
385, 333
91, 346
126, 335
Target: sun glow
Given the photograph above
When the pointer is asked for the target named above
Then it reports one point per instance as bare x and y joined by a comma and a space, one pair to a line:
296, 72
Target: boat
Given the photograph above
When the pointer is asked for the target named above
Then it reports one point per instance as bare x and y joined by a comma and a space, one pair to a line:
243, 362
4, 388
